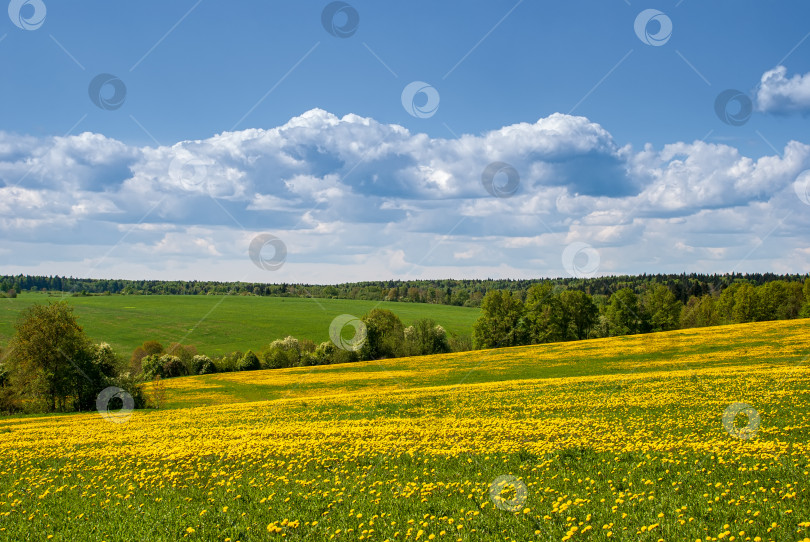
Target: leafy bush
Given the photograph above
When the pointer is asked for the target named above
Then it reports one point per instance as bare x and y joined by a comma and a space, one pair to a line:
202, 365
228, 362
105, 359
385, 335
345, 356
4, 375
132, 386
307, 349
316, 355
165, 366
151, 366
148, 348
136, 361
9, 401
185, 353
283, 353
425, 337
249, 362
173, 366
325, 353
152, 347
460, 343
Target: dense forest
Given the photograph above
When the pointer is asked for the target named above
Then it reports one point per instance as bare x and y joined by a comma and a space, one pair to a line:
468, 293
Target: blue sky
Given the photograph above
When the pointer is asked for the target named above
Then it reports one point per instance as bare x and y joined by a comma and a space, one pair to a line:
244, 118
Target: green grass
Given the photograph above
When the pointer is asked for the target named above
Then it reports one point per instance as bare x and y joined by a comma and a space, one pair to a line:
221, 324
613, 439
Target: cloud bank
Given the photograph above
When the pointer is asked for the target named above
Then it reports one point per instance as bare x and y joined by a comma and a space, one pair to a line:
356, 199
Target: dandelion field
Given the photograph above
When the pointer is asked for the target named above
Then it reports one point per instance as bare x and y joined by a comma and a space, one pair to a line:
627, 438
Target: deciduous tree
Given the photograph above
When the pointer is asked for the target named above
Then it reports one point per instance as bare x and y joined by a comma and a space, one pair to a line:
501, 322
51, 357
385, 335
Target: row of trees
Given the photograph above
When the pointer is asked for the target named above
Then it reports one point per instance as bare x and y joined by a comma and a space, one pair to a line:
551, 314
746, 303
384, 337
448, 292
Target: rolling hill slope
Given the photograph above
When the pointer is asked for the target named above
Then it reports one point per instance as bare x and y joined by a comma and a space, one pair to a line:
738, 347
687, 435
221, 324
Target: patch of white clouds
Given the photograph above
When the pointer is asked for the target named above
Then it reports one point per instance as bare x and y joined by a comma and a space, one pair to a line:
356, 199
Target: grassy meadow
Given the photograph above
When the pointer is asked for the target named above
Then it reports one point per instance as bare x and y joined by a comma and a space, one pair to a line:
625, 438
221, 324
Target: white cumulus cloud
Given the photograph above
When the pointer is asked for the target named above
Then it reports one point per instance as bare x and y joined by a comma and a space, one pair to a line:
781, 94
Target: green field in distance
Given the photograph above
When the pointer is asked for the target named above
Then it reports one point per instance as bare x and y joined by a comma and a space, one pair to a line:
221, 324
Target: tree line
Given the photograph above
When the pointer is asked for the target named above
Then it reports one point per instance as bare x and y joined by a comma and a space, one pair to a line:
467, 292
383, 336
549, 313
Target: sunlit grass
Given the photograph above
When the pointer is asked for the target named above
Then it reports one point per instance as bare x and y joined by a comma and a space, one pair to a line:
600, 440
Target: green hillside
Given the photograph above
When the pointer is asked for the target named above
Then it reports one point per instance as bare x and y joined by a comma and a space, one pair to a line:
674, 354
697, 435
221, 324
